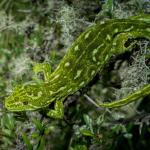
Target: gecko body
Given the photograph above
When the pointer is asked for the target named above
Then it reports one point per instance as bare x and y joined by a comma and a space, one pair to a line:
83, 60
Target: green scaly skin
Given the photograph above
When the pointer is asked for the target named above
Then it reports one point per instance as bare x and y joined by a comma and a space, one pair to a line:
87, 56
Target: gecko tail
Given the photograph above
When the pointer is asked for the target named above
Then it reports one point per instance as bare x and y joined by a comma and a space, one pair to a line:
142, 92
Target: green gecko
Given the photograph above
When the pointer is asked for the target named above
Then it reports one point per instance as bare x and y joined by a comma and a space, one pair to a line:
83, 60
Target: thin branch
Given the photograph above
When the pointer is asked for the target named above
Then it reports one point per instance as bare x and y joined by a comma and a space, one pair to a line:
93, 102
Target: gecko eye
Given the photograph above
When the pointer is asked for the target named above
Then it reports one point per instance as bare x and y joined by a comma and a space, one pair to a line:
25, 103
30, 93
128, 42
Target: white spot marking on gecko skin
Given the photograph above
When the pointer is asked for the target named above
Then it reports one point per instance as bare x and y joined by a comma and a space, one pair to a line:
82, 83
108, 37
93, 72
69, 90
87, 35
98, 63
65, 77
62, 88
56, 76
78, 74
106, 57
51, 92
95, 51
58, 66
76, 48
116, 30
49, 101
39, 94
94, 58
67, 64
101, 45
102, 22
129, 29
33, 106
114, 44
18, 103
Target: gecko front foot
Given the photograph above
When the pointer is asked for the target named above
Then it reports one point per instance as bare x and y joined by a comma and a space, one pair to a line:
45, 68
58, 111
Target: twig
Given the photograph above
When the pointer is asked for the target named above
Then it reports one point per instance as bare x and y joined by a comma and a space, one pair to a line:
92, 101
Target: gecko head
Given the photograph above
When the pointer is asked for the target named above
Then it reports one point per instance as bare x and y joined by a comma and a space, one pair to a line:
25, 97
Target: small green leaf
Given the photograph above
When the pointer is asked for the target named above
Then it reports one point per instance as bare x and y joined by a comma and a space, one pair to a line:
100, 119
119, 129
42, 144
27, 141
87, 132
87, 119
38, 125
128, 135
88, 122
8, 121
79, 147
7, 132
